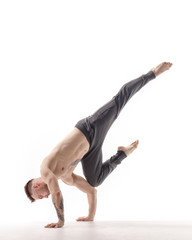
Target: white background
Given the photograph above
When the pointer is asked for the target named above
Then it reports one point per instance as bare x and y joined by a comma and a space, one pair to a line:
59, 62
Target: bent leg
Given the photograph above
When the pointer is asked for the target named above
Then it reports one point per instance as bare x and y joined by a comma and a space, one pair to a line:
96, 172
109, 165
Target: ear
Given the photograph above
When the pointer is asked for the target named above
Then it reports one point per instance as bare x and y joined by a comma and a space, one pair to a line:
35, 186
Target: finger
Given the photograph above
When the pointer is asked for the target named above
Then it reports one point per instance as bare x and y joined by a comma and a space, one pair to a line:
47, 226
80, 219
51, 225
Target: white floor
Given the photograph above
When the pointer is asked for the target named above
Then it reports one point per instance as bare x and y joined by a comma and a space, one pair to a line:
100, 231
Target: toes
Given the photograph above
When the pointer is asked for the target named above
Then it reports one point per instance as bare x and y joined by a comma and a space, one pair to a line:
169, 64
135, 143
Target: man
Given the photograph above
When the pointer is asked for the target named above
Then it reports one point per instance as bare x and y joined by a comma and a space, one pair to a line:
84, 144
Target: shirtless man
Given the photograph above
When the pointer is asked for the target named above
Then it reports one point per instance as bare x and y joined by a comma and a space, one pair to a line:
84, 144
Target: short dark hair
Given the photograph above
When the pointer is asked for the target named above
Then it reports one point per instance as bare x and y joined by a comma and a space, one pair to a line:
26, 188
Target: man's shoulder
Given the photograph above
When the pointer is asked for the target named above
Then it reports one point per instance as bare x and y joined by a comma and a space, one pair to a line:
46, 173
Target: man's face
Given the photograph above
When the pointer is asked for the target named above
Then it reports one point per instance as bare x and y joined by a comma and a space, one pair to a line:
40, 191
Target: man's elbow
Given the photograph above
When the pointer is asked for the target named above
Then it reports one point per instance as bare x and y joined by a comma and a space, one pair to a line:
92, 191
56, 195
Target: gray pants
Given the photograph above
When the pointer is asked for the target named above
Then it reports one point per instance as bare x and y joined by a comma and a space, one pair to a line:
96, 126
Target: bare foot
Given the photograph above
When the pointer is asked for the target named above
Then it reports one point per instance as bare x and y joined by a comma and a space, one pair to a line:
164, 66
129, 149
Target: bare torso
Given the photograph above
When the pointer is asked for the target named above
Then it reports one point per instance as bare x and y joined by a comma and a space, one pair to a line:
65, 156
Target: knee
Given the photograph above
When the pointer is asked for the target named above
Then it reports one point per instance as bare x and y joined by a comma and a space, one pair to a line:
94, 183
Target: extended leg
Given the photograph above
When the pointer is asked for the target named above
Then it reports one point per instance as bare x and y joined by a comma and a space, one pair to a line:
130, 88
125, 93
97, 125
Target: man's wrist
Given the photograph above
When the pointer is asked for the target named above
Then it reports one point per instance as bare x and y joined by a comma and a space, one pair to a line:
61, 223
91, 216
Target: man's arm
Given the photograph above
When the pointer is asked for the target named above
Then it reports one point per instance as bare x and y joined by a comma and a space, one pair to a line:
91, 192
50, 179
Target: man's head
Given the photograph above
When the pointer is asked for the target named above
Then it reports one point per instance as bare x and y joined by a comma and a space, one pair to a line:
36, 189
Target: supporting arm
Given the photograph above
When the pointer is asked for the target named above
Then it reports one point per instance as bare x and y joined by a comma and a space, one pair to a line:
91, 192
57, 198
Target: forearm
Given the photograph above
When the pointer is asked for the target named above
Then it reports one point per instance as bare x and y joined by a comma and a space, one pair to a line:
92, 200
57, 199
91, 192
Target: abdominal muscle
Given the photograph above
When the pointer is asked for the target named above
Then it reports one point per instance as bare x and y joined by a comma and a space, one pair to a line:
66, 155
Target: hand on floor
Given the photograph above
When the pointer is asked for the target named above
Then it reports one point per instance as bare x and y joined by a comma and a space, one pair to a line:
55, 225
85, 219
